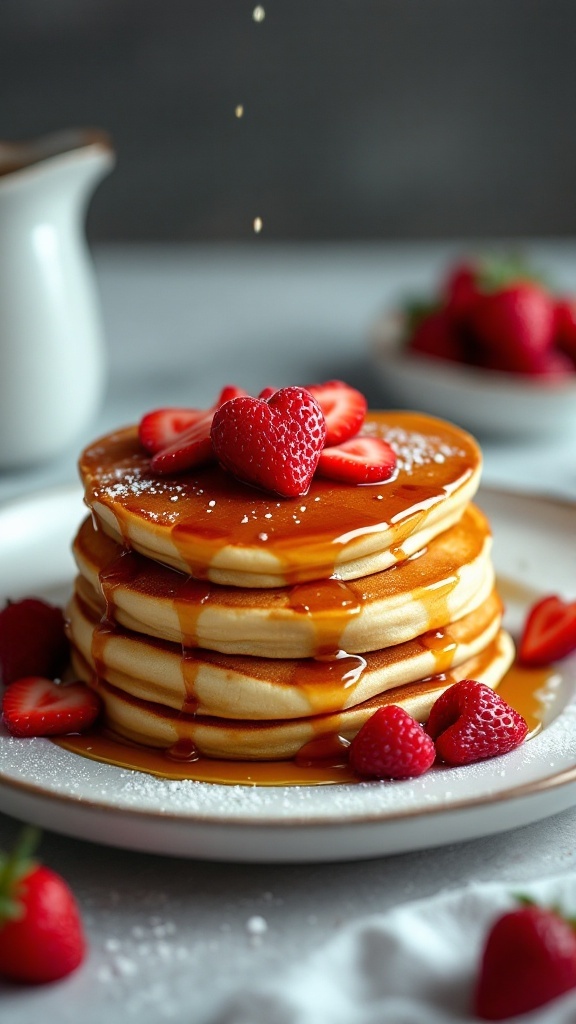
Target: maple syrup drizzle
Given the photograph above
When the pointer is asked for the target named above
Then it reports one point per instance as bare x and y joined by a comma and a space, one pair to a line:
321, 761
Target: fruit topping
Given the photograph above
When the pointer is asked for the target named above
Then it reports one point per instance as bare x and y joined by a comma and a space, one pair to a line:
344, 409
391, 745
529, 959
470, 722
179, 439
363, 460
274, 444
32, 640
35, 706
161, 427
497, 315
41, 934
549, 633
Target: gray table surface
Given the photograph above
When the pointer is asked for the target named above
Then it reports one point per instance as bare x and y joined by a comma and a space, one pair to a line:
169, 938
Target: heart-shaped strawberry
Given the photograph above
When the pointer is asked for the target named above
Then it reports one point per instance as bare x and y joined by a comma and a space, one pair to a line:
273, 444
469, 722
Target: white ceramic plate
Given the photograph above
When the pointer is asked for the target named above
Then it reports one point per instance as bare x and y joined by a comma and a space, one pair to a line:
535, 552
484, 401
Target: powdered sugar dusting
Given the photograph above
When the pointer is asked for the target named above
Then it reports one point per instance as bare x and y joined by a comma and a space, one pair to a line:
80, 781
414, 449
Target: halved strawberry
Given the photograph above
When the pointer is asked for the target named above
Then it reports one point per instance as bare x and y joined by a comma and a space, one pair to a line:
363, 460
161, 427
549, 633
344, 409
192, 446
35, 706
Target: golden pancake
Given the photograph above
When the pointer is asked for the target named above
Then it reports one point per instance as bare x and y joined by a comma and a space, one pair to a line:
451, 577
156, 725
262, 688
209, 525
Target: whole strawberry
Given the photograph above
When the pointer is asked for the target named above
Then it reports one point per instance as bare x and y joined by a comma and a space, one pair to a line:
470, 722
32, 640
528, 960
41, 934
515, 327
391, 745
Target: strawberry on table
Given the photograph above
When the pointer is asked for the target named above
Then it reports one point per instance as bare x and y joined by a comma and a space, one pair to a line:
550, 632
529, 959
344, 409
469, 722
391, 745
41, 933
363, 460
34, 706
32, 640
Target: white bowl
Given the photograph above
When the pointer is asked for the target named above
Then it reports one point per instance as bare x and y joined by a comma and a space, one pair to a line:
487, 402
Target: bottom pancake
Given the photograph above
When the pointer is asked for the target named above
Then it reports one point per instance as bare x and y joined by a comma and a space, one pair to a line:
156, 725
227, 686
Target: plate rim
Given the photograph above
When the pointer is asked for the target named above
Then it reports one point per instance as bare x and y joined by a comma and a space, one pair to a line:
552, 782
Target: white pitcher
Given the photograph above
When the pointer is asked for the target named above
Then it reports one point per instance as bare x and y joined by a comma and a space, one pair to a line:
52, 361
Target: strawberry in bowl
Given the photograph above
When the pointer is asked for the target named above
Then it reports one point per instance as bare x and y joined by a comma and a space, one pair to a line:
494, 350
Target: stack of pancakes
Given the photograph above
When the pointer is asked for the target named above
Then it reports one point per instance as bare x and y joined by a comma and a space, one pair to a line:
215, 618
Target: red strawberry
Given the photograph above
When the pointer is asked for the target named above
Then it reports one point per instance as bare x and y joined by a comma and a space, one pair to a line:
363, 460
437, 335
41, 934
469, 722
344, 409
391, 745
549, 633
191, 447
528, 960
274, 444
32, 640
566, 327
34, 706
160, 428
461, 290
515, 326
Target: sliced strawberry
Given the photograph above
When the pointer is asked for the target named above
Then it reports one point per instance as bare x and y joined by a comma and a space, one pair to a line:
344, 409
160, 428
192, 447
267, 393
549, 633
363, 460
35, 706
32, 640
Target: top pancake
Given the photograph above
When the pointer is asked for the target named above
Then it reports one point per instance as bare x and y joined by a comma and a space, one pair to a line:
208, 524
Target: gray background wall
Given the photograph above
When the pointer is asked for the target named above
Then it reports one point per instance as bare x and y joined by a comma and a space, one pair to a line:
363, 118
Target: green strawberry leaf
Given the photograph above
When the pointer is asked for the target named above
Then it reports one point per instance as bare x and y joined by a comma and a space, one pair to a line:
497, 272
14, 867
